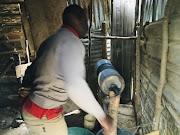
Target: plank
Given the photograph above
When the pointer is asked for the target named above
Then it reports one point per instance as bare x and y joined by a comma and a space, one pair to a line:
8, 20
9, 9
10, 1
11, 34
9, 52
9, 29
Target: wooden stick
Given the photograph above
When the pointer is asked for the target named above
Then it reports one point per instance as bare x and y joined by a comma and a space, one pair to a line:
104, 41
165, 44
137, 96
89, 35
113, 112
113, 37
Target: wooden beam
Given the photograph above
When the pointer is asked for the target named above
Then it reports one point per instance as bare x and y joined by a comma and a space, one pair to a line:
113, 37
10, 40
10, 20
137, 89
27, 30
9, 9
10, 1
12, 34
9, 29
9, 52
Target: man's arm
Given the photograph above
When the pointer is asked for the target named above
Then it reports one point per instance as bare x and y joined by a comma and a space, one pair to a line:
72, 65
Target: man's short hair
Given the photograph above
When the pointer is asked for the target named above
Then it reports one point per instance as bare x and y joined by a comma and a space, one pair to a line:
71, 12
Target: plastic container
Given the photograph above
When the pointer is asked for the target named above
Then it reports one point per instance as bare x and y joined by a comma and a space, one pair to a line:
78, 131
120, 131
89, 121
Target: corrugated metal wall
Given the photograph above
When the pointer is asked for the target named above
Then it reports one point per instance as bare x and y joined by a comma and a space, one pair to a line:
154, 10
101, 12
123, 51
150, 72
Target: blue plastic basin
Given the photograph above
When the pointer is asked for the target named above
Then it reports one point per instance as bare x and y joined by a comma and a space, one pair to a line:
78, 131
120, 131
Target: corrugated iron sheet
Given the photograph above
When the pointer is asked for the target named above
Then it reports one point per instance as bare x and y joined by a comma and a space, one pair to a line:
123, 51
154, 10
101, 12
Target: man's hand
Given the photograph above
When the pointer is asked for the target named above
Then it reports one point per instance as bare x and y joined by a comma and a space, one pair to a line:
23, 91
106, 123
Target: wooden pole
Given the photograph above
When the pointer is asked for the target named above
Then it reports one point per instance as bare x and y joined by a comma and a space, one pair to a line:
165, 44
104, 41
137, 96
89, 35
113, 111
113, 107
113, 37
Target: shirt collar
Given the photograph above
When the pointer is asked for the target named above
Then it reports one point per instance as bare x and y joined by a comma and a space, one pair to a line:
71, 29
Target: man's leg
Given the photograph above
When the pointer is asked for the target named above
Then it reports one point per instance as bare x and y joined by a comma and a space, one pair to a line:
55, 126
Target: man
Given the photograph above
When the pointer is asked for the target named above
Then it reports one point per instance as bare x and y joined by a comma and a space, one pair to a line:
57, 73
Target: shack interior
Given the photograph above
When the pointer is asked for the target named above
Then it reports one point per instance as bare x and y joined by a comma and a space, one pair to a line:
141, 38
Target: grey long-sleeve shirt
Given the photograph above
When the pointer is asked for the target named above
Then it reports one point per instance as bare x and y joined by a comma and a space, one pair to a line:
58, 72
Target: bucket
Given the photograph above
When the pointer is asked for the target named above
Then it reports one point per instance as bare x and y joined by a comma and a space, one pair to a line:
120, 131
78, 131
89, 121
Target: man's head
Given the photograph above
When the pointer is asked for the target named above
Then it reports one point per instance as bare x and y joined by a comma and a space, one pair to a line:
75, 17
